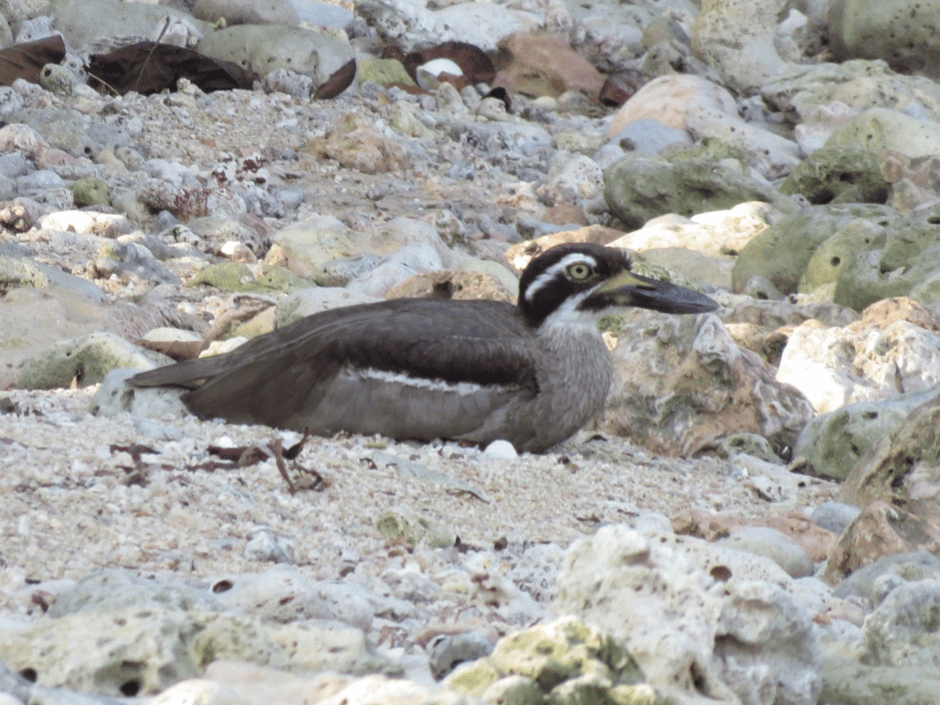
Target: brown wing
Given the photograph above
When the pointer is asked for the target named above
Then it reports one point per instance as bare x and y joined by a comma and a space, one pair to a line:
280, 379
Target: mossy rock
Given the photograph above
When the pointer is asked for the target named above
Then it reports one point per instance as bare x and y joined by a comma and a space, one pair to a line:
400, 527
839, 174
907, 265
20, 272
782, 252
383, 71
829, 260
640, 187
239, 277
561, 662
91, 191
710, 149
86, 360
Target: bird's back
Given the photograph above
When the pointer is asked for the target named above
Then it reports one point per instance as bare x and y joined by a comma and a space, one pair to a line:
407, 368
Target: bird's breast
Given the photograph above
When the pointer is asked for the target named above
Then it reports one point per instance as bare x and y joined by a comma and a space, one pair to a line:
574, 379
579, 369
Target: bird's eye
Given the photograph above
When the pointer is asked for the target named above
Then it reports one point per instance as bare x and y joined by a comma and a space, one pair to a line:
579, 271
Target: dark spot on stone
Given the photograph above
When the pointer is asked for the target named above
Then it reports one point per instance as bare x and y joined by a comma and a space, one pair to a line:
222, 586
720, 573
443, 290
131, 687
699, 679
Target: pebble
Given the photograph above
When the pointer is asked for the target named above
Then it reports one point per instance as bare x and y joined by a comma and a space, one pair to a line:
39, 180
448, 651
910, 566
14, 164
834, 516
775, 545
501, 449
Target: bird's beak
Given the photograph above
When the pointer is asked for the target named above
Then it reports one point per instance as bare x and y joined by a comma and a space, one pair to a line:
630, 289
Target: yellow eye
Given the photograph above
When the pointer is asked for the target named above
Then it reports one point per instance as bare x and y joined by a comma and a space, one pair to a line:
579, 271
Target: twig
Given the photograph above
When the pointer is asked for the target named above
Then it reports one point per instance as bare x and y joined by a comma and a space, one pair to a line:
104, 83
279, 460
140, 74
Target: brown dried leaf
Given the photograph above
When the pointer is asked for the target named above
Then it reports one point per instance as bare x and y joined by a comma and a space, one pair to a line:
282, 469
27, 59
476, 65
292, 452
500, 93
620, 86
135, 450
338, 82
229, 453
247, 455
149, 67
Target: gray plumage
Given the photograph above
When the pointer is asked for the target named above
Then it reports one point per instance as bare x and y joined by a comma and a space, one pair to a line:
532, 374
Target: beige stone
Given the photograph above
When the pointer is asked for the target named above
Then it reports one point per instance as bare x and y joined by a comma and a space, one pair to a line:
666, 99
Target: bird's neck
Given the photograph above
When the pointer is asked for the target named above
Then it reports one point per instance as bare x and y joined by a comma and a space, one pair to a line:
581, 338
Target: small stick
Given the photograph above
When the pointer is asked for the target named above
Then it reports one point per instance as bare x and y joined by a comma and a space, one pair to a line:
140, 74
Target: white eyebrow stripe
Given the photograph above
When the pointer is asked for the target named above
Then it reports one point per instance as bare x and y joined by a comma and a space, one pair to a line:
543, 279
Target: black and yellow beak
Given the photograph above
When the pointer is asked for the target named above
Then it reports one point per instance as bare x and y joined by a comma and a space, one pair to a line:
630, 289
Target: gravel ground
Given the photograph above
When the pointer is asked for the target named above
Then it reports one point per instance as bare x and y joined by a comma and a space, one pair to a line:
77, 501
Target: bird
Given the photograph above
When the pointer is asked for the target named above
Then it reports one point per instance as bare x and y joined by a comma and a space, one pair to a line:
477, 371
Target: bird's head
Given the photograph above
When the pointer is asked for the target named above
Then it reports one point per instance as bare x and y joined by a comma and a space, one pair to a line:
575, 284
